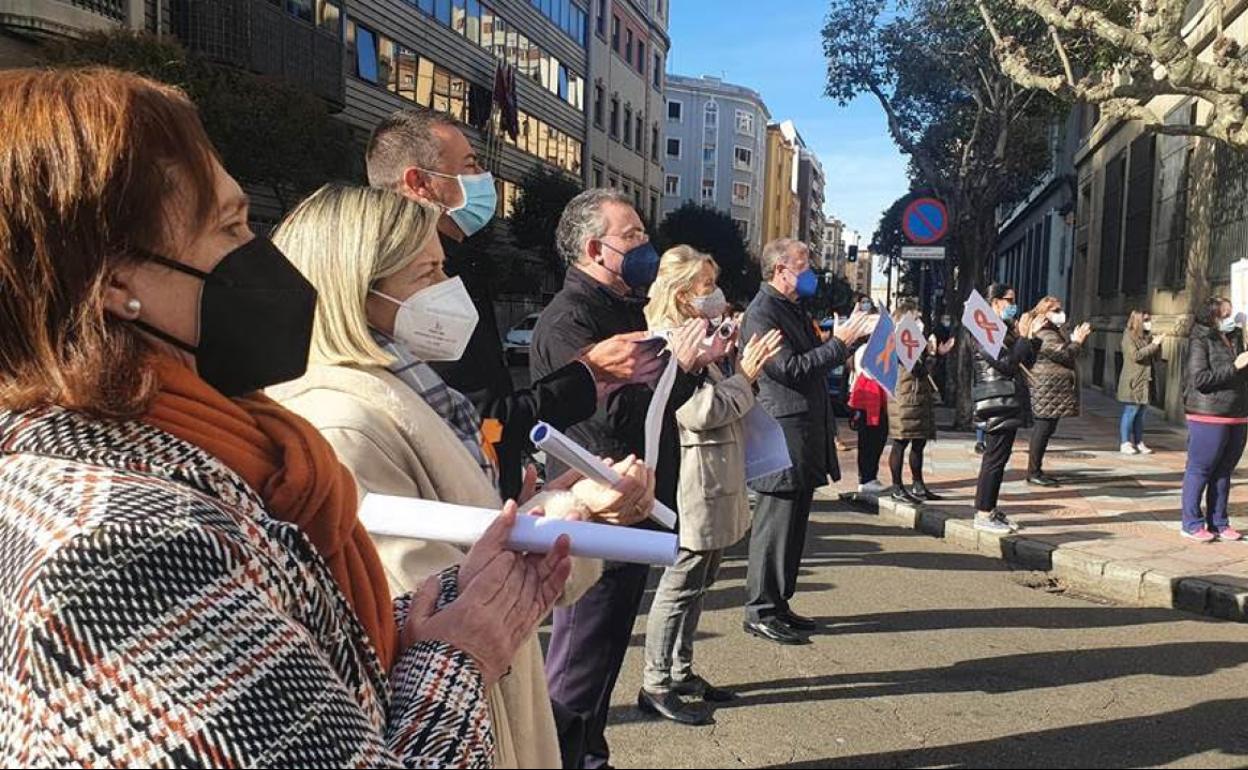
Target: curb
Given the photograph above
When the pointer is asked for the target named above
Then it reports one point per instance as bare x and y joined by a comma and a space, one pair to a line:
1123, 581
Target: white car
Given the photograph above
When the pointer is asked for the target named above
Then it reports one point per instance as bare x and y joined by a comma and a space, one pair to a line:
519, 338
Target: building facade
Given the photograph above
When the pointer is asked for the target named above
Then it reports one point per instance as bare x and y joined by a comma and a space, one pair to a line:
23, 23
833, 258
1159, 221
627, 50
810, 198
715, 151
780, 207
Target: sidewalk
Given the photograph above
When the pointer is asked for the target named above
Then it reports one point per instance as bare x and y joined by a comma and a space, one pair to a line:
1111, 529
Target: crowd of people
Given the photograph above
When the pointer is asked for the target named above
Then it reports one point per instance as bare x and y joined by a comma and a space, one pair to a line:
191, 414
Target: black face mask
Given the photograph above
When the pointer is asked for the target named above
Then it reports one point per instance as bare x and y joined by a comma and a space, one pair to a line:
255, 319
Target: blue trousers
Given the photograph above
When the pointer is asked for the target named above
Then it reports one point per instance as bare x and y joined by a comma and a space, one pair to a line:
1213, 451
1131, 429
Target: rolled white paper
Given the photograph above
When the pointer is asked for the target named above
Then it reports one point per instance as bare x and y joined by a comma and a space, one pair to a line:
580, 459
463, 526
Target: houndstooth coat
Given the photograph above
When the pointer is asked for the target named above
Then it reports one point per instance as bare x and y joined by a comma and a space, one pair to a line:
154, 615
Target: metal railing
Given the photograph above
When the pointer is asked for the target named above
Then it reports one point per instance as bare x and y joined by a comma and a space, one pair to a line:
112, 9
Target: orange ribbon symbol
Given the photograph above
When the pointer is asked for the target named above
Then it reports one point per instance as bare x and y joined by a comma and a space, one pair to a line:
885, 358
981, 320
907, 339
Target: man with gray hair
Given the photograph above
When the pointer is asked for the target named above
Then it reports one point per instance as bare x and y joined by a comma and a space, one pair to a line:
793, 389
610, 265
422, 154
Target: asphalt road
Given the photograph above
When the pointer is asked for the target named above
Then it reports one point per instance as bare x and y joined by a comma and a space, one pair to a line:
935, 657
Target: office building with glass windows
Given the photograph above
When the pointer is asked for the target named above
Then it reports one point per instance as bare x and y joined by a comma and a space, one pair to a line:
715, 151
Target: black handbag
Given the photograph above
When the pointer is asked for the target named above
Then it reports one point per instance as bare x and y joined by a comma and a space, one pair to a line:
997, 398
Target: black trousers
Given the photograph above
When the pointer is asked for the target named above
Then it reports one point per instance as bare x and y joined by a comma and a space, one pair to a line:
871, 442
897, 456
998, 447
587, 645
777, 540
1040, 435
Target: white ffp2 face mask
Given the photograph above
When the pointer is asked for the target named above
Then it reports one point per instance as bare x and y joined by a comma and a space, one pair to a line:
437, 322
1058, 318
712, 305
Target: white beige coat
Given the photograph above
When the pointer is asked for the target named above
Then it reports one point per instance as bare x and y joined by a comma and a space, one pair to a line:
714, 508
396, 444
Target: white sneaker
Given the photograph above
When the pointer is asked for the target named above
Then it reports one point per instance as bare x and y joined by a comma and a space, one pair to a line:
873, 487
992, 525
1128, 448
1143, 449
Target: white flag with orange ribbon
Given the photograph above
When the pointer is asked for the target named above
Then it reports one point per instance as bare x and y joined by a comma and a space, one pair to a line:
984, 324
910, 342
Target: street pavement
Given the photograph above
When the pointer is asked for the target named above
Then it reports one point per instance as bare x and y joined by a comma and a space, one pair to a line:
933, 656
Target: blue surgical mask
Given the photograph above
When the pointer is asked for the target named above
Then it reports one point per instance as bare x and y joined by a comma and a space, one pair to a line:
1227, 325
807, 283
640, 266
1011, 312
480, 201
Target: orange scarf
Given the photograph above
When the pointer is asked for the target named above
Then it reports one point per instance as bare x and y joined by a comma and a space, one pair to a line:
295, 472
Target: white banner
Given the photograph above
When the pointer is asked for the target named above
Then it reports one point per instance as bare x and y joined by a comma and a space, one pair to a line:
910, 342
984, 324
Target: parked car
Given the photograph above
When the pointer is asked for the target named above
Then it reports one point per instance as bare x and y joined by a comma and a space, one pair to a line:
518, 340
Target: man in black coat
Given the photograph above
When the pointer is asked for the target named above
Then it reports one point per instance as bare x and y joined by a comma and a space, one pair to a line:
793, 389
423, 155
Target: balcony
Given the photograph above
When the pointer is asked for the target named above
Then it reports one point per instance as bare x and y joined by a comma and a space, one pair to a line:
260, 36
68, 17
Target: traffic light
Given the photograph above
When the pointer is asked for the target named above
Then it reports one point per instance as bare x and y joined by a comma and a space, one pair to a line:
851, 254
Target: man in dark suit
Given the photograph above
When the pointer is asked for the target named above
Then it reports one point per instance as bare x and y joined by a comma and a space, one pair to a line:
422, 154
793, 389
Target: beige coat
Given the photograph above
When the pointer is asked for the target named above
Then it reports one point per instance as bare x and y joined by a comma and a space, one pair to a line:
395, 444
714, 509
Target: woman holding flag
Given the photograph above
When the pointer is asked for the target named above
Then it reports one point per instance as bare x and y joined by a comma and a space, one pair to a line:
1003, 404
912, 412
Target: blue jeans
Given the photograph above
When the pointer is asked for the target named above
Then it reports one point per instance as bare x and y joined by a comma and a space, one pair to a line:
1131, 429
979, 435
1213, 451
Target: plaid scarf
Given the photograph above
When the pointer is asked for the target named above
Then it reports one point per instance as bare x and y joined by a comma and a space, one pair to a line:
452, 406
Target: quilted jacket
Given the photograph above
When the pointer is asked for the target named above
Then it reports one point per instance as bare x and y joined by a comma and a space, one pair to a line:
912, 410
1055, 390
155, 615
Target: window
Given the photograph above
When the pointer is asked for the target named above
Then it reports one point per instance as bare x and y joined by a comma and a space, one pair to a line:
615, 117
675, 110
744, 226
427, 6
673, 147
628, 46
654, 208
708, 189
365, 54
600, 24
500, 38
563, 83
712, 115
658, 71
1137, 244
513, 47
474, 21
641, 145
442, 10
329, 16
740, 193
599, 96
459, 17
1175, 153
708, 153
301, 9
424, 83
1111, 226
654, 143
641, 58
671, 185
406, 66
615, 33
597, 177
441, 90
744, 158
745, 123
487, 28
628, 126
387, 74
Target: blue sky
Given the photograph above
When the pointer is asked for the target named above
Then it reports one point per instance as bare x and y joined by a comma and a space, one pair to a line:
776, 49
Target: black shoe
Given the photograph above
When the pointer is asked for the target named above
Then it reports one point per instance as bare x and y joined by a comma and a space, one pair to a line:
1041, 480
697, 687
798, 622
774, 630
903, 495
669, 706
923, 493
980, 448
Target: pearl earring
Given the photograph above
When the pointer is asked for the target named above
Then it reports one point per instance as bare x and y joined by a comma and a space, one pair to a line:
133, 305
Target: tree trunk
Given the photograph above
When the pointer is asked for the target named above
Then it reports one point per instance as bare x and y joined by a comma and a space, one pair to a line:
974, 243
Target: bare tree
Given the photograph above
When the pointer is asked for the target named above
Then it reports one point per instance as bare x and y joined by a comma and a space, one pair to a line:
1122, 54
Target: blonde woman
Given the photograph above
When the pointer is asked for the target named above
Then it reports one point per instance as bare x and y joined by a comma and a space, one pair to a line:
711, 496
1139, 350
376, 263
1055, 393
